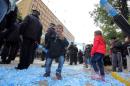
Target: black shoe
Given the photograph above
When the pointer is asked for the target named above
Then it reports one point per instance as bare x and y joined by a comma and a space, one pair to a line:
21, 68
18, 68
46, 75
8, 61
2, 62
58, 75
43, 65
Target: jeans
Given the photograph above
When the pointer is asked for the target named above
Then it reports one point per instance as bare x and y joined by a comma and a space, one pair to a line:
49, 62
3, 9
97, 63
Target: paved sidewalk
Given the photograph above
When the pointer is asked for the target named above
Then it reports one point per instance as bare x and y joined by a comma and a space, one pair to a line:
74, 75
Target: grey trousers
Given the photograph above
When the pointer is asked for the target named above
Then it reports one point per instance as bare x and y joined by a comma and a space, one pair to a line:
117, 61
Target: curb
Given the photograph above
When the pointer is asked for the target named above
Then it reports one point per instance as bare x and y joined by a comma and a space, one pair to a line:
119, 78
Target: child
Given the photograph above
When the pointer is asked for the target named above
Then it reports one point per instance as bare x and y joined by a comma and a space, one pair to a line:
97, 54
56, 49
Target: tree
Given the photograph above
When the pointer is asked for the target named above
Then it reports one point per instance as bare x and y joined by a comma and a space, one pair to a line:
124, 8
106, 23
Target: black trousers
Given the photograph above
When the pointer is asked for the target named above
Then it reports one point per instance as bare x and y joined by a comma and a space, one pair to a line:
9, 51
26, 53
5, 51
73, 59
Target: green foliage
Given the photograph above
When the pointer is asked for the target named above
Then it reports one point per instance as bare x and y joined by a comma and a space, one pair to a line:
106, 23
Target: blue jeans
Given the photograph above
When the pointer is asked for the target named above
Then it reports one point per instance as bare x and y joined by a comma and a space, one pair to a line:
49, 62
3, 9
97, 63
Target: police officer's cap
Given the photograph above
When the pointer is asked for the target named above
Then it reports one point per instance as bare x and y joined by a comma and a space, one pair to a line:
35, 11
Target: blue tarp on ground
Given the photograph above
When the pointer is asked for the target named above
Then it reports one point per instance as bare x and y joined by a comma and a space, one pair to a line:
72, 76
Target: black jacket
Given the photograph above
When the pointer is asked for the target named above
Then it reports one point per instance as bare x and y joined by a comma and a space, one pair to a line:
31, 28
73, 49
48, 36
57, 47
117, 46
14, 35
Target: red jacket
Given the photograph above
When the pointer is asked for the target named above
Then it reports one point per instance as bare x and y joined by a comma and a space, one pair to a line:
99, 45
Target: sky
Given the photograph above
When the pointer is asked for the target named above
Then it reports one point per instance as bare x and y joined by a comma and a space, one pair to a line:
74, 14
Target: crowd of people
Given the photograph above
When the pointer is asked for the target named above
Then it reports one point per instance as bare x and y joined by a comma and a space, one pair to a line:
24, 36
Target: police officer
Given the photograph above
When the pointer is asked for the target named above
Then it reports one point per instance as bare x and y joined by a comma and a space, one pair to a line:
31, 31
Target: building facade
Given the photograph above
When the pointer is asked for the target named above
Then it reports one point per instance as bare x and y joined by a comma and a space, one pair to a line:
46, 16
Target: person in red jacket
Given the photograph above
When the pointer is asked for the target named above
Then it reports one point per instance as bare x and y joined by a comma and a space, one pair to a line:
97, 53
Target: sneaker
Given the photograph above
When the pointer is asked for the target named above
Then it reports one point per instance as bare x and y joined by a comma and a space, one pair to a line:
58, 75
46, 75
95, 77
102, 78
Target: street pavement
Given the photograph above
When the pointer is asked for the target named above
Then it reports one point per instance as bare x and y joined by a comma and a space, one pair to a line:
73, 75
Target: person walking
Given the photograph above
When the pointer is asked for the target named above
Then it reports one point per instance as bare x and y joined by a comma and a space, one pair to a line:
31, 31
97, 54
56, 49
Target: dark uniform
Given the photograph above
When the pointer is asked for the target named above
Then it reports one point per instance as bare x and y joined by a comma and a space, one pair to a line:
73, 54
10, 37
31, 30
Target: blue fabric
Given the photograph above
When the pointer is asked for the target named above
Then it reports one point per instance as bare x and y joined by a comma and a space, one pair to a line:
3, 9
103, 2
13, 4
108, 7
49, 62
43, 48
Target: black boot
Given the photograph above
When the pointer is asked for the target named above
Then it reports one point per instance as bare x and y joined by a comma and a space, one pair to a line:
46, 75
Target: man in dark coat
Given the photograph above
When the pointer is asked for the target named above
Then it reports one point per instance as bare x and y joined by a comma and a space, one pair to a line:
7, 7
73, 53
9, 28
31, 31
116, 49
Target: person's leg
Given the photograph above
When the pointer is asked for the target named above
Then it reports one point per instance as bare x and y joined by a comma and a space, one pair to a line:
71, 59
93, 63
15, 49
60, 65
119, 58
5, 52
114, 62
3, 9
48, 66
23, 54
29, 53
100, 64
75, 59
11, 51
33, 53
